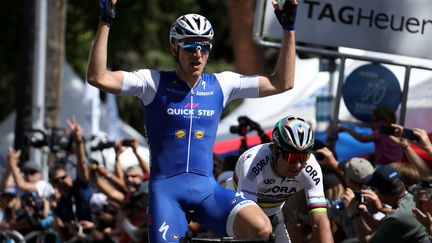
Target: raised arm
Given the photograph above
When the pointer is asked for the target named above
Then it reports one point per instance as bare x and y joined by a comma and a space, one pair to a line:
82, 170
97, 73
143, 164
13, 159
282, 78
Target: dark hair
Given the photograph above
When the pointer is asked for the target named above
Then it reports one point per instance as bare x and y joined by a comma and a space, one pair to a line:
54, 169
384, 114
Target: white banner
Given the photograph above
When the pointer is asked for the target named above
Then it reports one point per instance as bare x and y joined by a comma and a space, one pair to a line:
398, 27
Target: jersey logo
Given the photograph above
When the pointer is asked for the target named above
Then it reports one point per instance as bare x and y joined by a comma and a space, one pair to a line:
199, 134
313, 174
189, 105
164, 229
180, 133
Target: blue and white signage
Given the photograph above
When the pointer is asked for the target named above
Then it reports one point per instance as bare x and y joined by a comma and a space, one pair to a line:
398, 27
368, 87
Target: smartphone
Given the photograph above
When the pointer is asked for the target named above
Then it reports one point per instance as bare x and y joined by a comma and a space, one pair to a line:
409, 134
358, 197
387, 130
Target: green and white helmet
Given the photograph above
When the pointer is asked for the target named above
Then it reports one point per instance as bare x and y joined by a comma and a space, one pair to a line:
293, 134
191, 25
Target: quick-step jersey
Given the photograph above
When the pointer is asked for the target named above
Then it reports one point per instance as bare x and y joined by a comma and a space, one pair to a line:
181, 122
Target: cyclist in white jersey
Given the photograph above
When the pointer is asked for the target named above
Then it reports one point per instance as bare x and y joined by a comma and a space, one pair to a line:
269, 173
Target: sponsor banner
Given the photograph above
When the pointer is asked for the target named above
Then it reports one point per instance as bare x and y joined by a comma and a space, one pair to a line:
368, 87
390, 26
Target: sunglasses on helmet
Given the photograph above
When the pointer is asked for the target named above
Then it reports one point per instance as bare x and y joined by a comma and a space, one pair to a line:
195, 45
294, 158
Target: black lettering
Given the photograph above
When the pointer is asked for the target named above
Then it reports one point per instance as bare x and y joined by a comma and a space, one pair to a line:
317, 181
311, 5
412, 22
393, 24
284, 189
360, 17
327, 12
345, 15
293, 190
255, 171
275, 189
381, 21
308, 168
313, 174
424, 24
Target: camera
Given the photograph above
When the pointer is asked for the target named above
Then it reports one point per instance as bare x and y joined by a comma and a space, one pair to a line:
55, 138
245, 125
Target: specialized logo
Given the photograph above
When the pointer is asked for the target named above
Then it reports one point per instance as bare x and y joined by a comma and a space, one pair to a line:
175, 236
233, 201
164, 229
180, 133
199, 134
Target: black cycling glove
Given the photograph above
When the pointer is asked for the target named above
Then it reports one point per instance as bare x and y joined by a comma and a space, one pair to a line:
108, 11
287, 15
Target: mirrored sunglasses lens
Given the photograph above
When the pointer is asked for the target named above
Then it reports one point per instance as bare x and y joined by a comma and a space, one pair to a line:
193, 46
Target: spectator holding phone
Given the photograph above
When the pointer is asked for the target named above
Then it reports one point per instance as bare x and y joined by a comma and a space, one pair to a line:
400, 224
421, 139
386, 150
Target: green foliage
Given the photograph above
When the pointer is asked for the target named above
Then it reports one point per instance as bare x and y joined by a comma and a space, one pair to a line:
138, 39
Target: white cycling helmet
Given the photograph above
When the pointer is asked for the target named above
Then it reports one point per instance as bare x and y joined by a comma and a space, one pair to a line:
191, 25
293, 134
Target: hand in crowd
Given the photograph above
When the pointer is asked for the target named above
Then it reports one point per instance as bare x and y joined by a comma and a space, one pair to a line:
13, 157
329, 158
372, 199
424, 218
75, 127
425, 143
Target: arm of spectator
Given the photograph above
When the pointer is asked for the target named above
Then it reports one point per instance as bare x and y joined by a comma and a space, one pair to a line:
425, 143
359, 137
359, 214
331, 162
425, 219
321, 231
118, 170
7, 179
105, 187
143, 164
409, 152
13, 159
82, 170
117, 182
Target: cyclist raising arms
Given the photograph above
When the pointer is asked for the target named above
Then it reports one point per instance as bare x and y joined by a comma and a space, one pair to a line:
269, 173
182, 110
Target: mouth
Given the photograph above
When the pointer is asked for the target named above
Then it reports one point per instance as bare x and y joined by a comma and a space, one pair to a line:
196, 64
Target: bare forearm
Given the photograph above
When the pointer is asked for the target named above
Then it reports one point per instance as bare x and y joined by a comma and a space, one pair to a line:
418, 161
322, 232
285, 66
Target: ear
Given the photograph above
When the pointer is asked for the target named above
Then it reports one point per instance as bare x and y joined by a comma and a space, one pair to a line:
174, 50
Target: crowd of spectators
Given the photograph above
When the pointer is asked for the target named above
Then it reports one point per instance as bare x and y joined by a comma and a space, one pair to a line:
388, 201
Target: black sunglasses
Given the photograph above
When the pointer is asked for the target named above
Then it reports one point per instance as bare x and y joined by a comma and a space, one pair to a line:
61, 178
